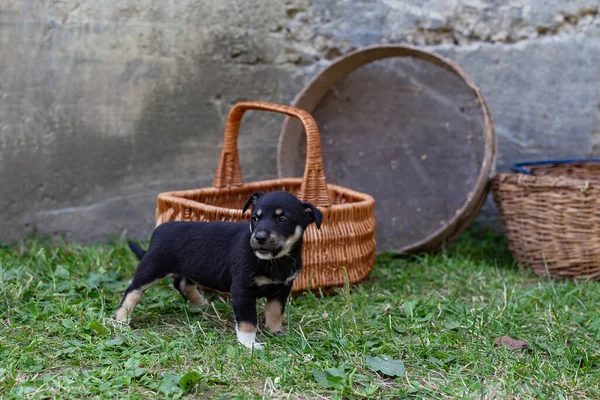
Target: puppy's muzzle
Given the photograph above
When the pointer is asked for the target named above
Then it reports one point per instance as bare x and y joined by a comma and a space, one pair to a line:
261, 237
265, 244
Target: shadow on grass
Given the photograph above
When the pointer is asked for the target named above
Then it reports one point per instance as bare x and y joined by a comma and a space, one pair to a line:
484, 245
481, 244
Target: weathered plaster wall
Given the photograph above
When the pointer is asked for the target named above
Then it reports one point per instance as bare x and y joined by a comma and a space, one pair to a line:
105, 104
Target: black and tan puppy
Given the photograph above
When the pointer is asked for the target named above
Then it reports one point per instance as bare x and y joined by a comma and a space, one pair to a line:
250, 260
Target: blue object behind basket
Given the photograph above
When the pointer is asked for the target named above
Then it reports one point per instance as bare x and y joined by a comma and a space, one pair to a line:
522, 167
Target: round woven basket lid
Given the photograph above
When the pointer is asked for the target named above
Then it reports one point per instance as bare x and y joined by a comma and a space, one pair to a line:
408, 127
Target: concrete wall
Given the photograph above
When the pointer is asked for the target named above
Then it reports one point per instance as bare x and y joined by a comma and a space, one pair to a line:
103, 104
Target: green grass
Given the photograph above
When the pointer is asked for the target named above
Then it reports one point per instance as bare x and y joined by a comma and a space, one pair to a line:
436, 314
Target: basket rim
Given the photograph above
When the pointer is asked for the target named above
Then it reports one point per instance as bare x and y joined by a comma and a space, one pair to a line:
546, 181
177, 196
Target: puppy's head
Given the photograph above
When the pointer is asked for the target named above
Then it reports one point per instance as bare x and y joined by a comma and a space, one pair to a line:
278, 222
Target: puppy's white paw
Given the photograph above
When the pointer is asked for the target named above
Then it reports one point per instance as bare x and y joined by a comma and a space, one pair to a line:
255, 345
247, 338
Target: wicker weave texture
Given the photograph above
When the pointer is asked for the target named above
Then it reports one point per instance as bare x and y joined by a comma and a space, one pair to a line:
346, 239
551, 218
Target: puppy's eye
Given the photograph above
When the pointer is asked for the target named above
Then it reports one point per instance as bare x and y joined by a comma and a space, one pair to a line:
254, 218
282, 219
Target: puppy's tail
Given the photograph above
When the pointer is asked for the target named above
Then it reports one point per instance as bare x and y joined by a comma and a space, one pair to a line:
137, 250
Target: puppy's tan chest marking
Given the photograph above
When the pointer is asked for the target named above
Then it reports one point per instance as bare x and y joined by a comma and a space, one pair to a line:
263, 281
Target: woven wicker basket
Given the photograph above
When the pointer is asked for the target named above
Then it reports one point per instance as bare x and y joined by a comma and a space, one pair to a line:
549, 211
346, 239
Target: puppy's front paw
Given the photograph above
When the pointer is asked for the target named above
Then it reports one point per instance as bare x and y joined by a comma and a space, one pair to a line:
197, 300
246, 335
249, 342
277, 331
196, 309
255, 345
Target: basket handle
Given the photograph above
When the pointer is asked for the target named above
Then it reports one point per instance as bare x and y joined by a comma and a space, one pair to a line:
314, 184
523, 167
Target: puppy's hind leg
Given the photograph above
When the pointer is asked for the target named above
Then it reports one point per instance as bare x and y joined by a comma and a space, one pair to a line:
146, 275
189, 291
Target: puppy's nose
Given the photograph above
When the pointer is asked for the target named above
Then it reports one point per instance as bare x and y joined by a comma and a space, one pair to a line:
261, 237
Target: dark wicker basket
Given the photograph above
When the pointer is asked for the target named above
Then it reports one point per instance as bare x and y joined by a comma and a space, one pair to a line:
550, 213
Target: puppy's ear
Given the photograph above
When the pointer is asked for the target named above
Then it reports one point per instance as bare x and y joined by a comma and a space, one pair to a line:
251, 200
313, 213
